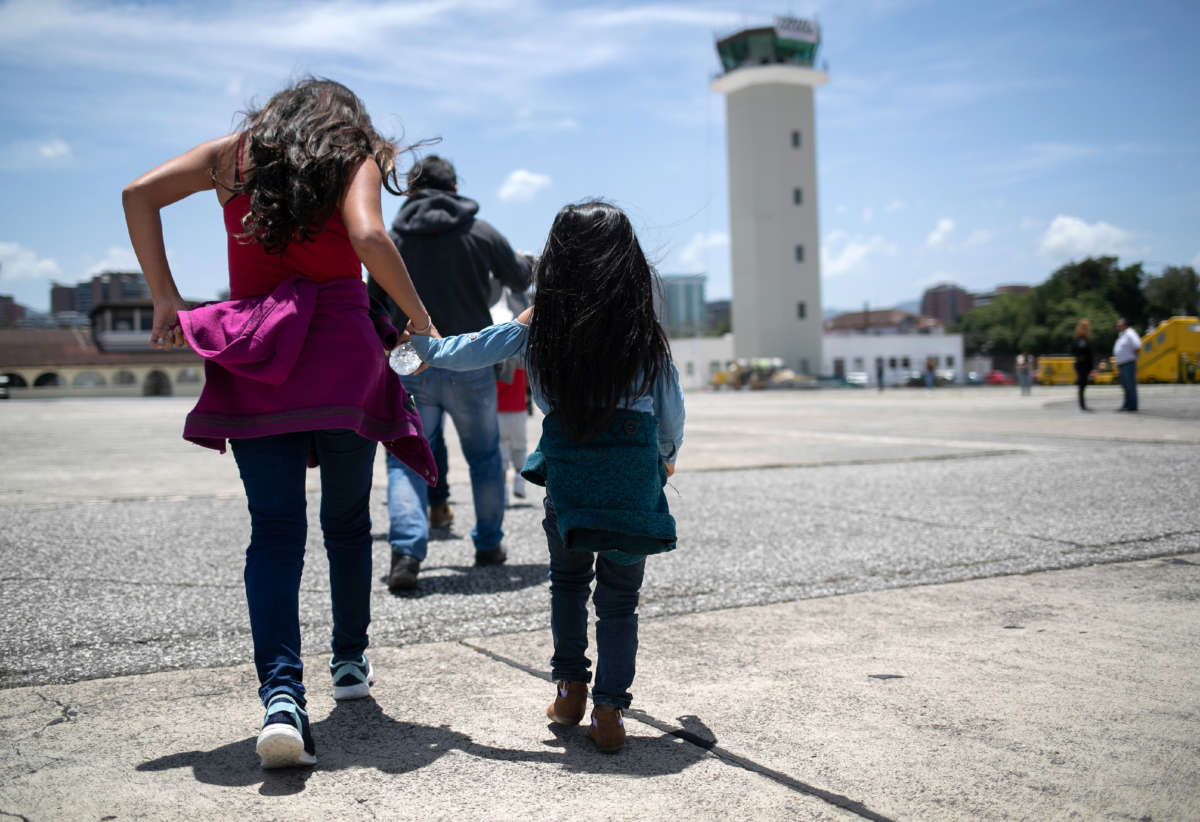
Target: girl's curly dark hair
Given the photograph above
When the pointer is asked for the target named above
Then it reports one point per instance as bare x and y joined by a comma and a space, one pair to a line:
302, 147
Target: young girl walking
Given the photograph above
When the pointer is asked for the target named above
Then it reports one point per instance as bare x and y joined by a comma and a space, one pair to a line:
295, 371
600, 369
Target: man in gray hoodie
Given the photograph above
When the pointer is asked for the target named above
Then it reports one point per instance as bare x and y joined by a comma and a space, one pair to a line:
451, 256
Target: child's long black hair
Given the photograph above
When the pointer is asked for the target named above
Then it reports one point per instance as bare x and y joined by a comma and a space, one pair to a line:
594, 338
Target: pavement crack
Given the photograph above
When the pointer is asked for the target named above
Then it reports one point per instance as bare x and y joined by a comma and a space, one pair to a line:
66, 712
728, 757
992, 452
22, 817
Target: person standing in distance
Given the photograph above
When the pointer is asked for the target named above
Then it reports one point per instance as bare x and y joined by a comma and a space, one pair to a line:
451, 256
1125, 354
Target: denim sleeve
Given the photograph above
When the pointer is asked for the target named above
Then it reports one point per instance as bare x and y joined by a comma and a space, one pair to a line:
466, 352
668, 411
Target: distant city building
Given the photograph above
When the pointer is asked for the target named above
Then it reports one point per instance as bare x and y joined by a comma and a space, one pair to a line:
11, 312
109, 287
947, 302
768, 80
883, 321
682, 312
987, 296
717, 317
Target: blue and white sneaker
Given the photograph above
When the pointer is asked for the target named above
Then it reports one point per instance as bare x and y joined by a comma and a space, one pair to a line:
352, 678
285, 740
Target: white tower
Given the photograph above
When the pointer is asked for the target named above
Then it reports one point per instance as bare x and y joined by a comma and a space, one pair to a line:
768, 84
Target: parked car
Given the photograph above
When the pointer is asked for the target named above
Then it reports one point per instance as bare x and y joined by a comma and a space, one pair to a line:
858, 379
1001, 378
3, 386
974, 378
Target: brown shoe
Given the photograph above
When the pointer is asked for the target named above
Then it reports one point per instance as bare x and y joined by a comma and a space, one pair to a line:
440, 516
570, 703
608, 728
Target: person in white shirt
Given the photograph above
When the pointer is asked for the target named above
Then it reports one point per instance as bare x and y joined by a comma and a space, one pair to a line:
1125, 353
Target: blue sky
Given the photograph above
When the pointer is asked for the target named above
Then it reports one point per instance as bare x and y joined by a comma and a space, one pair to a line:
977, 143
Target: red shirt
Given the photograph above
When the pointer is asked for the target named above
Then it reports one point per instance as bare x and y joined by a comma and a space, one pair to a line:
510, 396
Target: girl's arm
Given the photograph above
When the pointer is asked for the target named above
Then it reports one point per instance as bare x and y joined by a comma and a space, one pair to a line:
143, 199
362, 212
669, 413
466, 352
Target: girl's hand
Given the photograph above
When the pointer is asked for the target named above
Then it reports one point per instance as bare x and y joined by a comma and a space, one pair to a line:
167, 333
670, 468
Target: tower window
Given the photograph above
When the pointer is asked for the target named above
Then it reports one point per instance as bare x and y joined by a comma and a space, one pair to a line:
797, 196
795, 139
800, 311
799, 253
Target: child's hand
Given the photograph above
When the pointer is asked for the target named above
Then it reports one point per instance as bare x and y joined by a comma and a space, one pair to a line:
670, 468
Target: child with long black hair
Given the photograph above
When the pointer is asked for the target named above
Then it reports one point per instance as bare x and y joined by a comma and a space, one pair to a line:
600, 368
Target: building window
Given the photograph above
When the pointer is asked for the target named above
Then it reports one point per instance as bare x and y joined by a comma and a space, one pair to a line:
125, 378
905, 363
949, 360
797, 196
799, 253
188, 375
800, 310
795, 139
691, 368
89, 379
891, 362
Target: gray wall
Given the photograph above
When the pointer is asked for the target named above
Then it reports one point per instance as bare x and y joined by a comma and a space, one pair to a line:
766, 225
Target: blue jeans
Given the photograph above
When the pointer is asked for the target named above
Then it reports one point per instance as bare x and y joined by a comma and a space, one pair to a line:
616, 601
440, 493
469, 397
273, 470
1127, 374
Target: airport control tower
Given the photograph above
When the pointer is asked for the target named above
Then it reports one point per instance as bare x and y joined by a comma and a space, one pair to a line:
768, 80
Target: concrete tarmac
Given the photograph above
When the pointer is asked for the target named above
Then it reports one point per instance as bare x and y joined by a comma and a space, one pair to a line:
867, 618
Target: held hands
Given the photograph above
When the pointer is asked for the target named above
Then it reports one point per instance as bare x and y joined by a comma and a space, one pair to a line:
166, 332
670, 468
427, 330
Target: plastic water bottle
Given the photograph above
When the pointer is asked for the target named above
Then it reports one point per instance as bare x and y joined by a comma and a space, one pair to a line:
404, 359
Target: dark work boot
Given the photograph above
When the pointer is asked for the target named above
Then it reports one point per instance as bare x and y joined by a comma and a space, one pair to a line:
403, 576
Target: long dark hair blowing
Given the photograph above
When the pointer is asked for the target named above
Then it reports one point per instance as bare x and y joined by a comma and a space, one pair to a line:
302, 147
594, 338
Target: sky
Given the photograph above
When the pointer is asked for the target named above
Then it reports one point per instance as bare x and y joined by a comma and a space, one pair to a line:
976, 143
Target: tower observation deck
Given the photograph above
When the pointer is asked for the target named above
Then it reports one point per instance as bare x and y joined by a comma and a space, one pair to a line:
768, 80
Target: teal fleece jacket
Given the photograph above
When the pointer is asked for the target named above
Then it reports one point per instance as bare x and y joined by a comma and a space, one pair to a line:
607, 492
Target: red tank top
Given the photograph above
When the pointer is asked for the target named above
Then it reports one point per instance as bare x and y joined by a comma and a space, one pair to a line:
255, 273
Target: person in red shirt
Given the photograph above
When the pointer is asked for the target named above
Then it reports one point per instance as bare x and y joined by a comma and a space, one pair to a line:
510, 412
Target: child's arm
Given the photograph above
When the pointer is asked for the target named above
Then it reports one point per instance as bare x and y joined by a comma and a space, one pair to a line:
669, 413
466, 352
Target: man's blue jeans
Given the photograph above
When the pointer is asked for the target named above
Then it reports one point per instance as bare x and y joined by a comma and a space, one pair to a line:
469, 397
1127, 374
273, 470
616, 601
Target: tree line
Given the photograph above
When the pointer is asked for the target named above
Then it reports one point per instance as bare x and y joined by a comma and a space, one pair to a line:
1042, 320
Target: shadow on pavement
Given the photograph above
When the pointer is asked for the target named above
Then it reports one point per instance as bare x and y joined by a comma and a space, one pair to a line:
359, 734
468, 579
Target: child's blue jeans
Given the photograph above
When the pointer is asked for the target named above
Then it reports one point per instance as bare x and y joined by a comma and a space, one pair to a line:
616, 601
273, 470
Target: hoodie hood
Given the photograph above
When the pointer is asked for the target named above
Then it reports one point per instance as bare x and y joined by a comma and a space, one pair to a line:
434, 212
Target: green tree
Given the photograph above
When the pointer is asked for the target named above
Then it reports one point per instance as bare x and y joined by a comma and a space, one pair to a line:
1175, 291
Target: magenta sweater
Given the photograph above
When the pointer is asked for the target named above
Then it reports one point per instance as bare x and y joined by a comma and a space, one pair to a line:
306, 357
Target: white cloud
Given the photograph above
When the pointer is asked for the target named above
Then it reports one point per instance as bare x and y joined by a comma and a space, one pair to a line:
1071, 237
841, 209
868, 214
692, 256
980, 236
842, 253
1196, 260
55, 149
115, 259
1028, 223
895, 205
521, 185
20, 263
941, 232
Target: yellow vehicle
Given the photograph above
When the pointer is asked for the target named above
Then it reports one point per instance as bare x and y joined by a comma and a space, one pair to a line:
1056, 370
1105, 372
1171, 352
